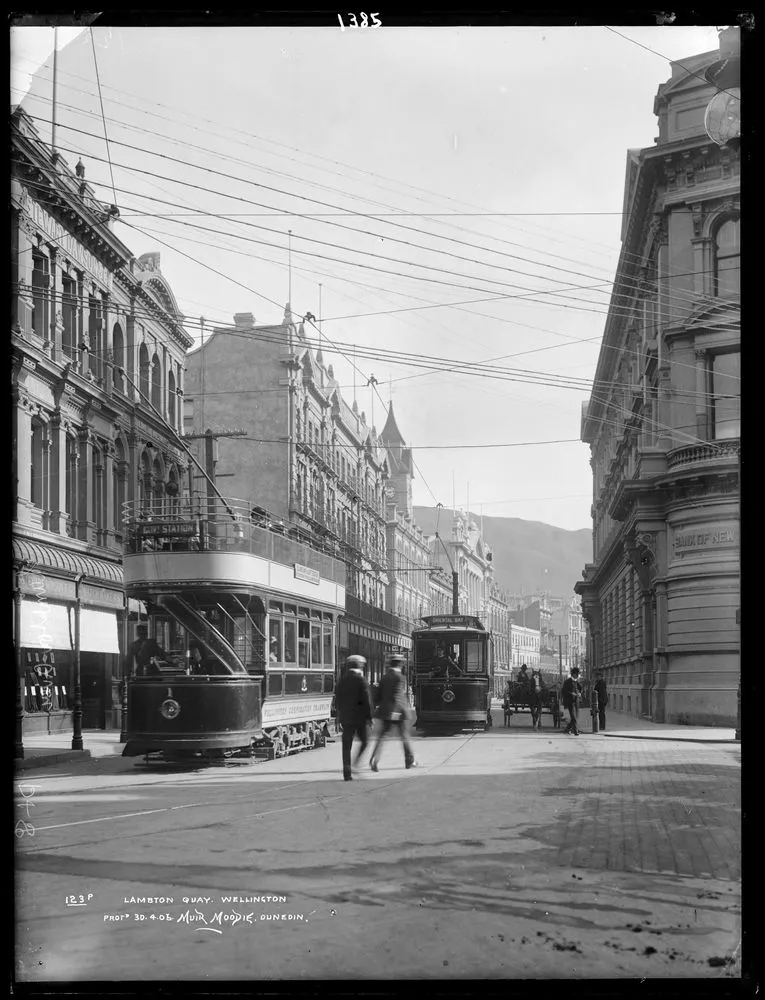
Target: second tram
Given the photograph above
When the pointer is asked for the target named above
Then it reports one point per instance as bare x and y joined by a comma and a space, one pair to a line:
452, 672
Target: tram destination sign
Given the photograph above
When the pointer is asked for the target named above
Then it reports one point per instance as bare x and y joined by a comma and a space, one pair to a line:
452, 621
170, 529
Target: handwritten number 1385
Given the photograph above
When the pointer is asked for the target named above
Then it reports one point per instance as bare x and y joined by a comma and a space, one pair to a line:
373, 21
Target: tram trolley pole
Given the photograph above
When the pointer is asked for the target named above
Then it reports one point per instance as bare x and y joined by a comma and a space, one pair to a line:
594, 711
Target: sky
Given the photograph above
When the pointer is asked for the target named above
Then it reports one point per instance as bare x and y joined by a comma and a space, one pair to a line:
439, 184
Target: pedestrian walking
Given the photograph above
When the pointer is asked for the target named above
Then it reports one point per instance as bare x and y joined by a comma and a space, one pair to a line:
570, 693
602, 691
507, 704
353, 711
393, 711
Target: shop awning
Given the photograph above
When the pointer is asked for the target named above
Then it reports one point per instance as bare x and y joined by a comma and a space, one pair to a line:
44, 625
98, 631
65, 561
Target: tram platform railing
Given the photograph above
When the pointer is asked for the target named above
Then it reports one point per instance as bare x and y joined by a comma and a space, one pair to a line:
199, 523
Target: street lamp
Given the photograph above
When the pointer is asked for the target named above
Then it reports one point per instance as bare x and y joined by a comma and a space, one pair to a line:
77, 713
722, 119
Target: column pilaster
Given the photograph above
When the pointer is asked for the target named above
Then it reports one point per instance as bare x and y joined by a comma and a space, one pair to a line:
57, 519
85, 513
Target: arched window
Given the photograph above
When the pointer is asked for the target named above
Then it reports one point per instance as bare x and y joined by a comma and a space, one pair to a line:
40, 283
171, 397
158, 479
156, 382
118, 483
69, 316
71, 477
725, 395
38, 471
172, 491
97, 487
118, 356
143, 381
728, 260
96, 331
144, 480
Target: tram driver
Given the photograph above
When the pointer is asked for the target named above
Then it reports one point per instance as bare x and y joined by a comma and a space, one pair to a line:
445, 662
143, 654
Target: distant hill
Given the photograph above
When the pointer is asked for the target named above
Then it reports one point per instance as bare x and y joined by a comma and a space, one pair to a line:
528, 555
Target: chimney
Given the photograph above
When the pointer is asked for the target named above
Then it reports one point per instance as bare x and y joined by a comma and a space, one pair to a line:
244, 321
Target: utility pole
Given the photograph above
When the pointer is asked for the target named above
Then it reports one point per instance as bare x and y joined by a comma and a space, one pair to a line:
455, 579
560, 656
210, 439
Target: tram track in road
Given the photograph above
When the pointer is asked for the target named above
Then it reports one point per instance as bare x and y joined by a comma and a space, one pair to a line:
370, 786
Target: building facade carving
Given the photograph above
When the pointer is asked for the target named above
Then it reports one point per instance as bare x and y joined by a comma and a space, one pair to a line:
76, 289
662, 614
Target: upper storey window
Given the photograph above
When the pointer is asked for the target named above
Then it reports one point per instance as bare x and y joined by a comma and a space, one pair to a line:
725, 380
728, 260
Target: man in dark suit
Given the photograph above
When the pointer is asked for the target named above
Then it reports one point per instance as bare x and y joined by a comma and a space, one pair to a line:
140, 661
354, 710
394, 711
570, 693
602, 691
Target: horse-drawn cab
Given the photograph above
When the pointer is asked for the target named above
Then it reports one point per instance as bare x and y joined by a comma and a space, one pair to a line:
520, 696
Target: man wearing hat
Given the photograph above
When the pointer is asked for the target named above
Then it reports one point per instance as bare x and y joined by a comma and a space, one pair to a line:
394, 710
354, 710
570, 693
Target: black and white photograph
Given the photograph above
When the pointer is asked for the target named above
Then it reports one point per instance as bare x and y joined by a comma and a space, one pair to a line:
376, 423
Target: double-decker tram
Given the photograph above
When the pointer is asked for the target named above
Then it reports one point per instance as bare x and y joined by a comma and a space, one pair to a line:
242, 620
452, 672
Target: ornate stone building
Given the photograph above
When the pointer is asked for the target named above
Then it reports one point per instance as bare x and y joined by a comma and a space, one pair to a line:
409, 557
569, 636
97, 348
663, 424
524, 647
498, 621
472, 559
307, 457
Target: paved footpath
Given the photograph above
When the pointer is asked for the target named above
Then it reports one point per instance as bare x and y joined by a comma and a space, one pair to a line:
510, 854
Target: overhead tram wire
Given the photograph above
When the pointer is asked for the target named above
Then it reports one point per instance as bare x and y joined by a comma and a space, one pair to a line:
433, 363
711, 301
674, 62
352, 229
606, 402
360, 170
326, 187
682, 297
309, 153
103, 115
597, 289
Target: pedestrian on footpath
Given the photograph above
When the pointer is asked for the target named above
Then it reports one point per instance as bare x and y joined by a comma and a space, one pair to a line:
570, 693
506, 704
354, 711
393, 711
602, 691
